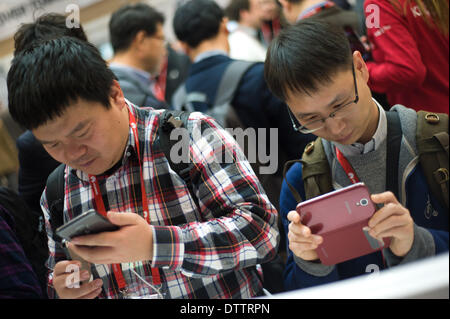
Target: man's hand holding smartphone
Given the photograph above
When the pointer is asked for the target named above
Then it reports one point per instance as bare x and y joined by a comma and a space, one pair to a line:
65, 281
133, 241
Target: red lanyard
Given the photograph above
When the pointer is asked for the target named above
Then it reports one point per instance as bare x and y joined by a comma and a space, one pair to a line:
352, 176
269, 33
161, 82
347, 167
100, 206
312, 12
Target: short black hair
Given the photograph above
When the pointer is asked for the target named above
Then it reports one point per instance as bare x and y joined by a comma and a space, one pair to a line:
47, 26
197, 21
45, 79
305, 55
127, 21
233, 10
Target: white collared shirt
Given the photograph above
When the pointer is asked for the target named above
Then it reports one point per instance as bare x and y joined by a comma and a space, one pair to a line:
379, 136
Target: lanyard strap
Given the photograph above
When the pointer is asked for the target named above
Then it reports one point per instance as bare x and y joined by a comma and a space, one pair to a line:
347, 167
161, 82
353, 178
100, 206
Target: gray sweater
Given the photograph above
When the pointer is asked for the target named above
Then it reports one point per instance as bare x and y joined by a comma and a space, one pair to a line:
371, 169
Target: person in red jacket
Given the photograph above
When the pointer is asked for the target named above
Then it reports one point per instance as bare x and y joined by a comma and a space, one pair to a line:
410, 46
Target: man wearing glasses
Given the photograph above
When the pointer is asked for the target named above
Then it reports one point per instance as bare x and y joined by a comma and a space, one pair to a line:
310, 66
139, 45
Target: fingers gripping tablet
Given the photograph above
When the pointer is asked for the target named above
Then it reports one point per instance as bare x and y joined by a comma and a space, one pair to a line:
341, 217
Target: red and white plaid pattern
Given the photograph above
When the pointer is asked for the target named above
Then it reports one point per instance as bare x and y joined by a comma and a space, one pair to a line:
206, 252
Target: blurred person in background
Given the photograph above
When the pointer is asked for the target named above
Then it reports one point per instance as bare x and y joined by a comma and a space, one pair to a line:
271, 24
410, 53
327, 11
18, 280
138, 41
244, 41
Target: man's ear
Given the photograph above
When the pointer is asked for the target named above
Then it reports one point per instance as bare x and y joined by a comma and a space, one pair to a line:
223, 26
139, 38
360, 66
116, 97
185, 47
285, 4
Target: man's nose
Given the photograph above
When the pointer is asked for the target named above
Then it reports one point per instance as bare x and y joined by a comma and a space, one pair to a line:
334, 125
74, 152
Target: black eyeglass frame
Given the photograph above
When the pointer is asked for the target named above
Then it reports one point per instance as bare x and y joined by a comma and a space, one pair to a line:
303, 129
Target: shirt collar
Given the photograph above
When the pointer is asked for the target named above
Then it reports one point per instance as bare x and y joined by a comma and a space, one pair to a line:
208, 54
143, 75
379, 136
130, 148
309, 9
248, 30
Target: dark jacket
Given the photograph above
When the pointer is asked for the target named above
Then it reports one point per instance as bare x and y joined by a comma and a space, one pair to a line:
177, 71
135, 90
17, 277
34, 167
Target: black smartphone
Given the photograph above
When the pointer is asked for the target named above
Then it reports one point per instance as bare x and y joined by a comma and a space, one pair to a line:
356, 44
90, 222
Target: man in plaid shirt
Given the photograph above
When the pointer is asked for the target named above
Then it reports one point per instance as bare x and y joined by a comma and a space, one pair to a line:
206, 245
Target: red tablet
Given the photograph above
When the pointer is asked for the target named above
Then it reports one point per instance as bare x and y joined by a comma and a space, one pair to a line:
341, 218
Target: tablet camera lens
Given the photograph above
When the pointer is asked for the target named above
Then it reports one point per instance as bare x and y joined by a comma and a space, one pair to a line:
364, 202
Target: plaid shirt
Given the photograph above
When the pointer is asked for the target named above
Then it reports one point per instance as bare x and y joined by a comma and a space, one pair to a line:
205, 251
17, 278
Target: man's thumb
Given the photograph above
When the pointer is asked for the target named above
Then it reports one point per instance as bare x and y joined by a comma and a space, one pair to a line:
122, 219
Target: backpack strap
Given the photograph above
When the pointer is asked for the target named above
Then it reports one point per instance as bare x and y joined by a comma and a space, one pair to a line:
316, 172
55, 198
394, 138
182, 101
168, 121
294, 192
433, 146
230, 81
226, 91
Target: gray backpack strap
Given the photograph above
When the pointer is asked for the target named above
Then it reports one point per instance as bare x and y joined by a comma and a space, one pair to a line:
182, 101
231, 80
228, 85
179, 97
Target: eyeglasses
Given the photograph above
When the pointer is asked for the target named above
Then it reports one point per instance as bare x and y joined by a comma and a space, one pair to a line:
340, 112
158, 37
161, 38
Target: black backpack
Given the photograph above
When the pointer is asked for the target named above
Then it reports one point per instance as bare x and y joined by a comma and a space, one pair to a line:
30, 232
